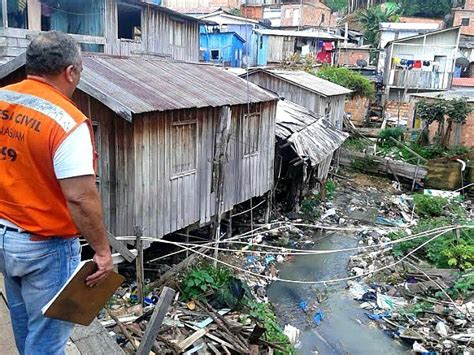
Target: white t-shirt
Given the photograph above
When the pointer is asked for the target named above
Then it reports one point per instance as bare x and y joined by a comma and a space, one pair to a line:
74, 157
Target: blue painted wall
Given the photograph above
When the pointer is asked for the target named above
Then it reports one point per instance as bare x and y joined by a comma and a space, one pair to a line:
230, 47
261, 49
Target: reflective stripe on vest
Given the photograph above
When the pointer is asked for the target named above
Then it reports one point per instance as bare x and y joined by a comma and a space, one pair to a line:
56, 113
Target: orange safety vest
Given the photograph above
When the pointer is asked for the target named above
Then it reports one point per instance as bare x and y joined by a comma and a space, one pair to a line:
35, 118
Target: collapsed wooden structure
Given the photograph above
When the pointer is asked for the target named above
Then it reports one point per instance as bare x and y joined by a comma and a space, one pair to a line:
305, 147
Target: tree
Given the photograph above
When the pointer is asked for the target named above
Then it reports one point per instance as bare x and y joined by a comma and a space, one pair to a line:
336, 5
457, 111
360, 85
370, 20
425, 8
429, 112
441, 110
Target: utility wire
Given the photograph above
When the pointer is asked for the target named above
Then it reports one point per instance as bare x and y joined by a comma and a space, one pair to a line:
270, 278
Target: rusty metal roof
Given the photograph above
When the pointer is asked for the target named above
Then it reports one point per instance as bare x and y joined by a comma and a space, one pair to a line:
137, 85
310, 82
311, 136
304, 80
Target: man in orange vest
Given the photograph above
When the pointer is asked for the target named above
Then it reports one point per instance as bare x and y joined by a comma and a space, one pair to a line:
48, 195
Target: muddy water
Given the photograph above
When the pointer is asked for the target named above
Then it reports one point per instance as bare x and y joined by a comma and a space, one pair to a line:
345, 329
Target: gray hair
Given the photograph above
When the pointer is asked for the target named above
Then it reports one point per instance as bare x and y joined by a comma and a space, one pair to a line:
50, 53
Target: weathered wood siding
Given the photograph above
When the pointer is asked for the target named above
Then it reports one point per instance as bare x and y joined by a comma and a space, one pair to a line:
137, 184
169, 202
161, 35
116, 164
303, 97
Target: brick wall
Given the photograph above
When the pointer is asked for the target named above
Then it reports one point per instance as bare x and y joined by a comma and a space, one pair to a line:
457, 21
466, 130
407, 110
358, 107
254, 12
349, 56
311, 15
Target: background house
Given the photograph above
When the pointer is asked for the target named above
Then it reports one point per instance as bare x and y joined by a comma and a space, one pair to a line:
416, 64
349, 54
464, 17
226, 22
222, 48
108, 26
315, 94
313, 13
275, 46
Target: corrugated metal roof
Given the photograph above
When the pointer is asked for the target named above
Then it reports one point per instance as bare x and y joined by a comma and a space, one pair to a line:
312, 137
467, 93
305, 34
137, 85
310, 82
410, 27
406, 39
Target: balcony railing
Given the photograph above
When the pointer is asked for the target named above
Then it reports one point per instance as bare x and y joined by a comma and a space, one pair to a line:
418, 79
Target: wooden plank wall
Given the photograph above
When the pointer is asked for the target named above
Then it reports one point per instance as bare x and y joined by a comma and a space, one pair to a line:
289, 91
312, 101
136, 182
116, 164
169, 203
158, 31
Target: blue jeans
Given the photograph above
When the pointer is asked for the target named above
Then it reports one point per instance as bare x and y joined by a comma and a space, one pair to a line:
34, 272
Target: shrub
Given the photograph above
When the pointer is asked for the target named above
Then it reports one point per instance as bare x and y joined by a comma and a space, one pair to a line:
349, 79
356, 144
330, 189
429, 206
204, 279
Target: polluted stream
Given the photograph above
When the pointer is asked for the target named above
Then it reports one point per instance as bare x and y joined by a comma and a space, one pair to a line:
344, 328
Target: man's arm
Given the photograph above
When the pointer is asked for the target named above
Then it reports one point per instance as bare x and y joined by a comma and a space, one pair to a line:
84, 204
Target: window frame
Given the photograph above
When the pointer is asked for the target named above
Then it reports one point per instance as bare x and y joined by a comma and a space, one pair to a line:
465, 21
176, 122
253, 146
123, 4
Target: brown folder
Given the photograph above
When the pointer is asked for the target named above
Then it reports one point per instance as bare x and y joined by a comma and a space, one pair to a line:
78, 303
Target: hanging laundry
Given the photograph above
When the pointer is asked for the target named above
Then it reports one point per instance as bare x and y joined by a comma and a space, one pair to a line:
403, 62
417, 64
396, 61
426, 63
410, 62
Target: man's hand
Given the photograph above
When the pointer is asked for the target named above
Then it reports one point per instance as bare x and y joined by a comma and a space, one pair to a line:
84, 204
104, 266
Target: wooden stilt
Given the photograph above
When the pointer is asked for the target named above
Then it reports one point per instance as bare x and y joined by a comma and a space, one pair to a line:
139, 265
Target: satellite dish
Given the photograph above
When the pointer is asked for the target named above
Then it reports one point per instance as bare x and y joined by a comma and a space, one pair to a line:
462, 62
361, 63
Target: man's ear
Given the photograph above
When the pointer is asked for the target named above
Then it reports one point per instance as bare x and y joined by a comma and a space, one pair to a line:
69, 73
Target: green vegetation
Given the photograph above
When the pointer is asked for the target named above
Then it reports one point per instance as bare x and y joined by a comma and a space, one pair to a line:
330, 189
396, 133
362, 164
429, 206
464, 286
336, 5
204, 279
355, 144
454, 249
425, 8
264, 315
441, 111
310, 207
347, 78
370, 20
205, 282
